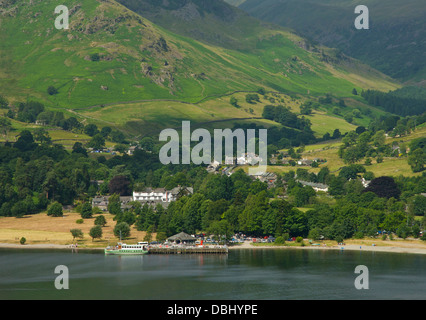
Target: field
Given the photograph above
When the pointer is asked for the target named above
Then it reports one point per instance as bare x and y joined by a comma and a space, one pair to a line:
328, 150
41, 228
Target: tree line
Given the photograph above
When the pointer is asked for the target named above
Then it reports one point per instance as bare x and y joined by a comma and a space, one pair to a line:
394, 102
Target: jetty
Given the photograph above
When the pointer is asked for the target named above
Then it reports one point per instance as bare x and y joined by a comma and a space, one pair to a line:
188, 250
183, 243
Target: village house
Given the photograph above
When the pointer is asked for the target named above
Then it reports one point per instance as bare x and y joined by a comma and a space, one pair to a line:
102, 202
213, 167
268, 177
316, 186
150, 196
153, 196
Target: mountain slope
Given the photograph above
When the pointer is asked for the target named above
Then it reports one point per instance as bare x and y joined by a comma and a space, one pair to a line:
213, 22
395, 43
115, 67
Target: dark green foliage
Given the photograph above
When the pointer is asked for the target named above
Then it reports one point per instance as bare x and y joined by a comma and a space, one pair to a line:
51, 90
122, 229
384, 187
95, 57
76, 233
100, 220
31, 178
394, 102
86, 210
252, 98
3, 102
96, 232
55, 210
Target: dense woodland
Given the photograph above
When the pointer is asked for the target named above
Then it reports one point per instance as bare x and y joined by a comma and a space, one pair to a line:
403, 102
34, 176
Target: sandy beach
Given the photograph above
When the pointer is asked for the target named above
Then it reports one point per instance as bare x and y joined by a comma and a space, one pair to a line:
45, 246
397, 247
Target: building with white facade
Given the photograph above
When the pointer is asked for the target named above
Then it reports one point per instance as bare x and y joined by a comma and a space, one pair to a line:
160, 195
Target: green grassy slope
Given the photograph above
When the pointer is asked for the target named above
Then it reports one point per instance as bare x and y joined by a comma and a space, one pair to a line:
142, 62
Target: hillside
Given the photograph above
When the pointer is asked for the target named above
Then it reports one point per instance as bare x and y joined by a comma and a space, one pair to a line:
395, 43
138, 61
213, 22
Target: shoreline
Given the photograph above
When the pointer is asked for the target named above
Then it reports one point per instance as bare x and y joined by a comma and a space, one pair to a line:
45, 246
245, 246
346, 247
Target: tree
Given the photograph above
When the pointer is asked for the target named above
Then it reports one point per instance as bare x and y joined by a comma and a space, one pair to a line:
268, 112
419, 205
91, 129
51, 90
233, 101
55, 210
76, 233
95, 232
97, 142
417, 160
120, 185
147, 144
100, 221
3, 102
336, 134
25, 141
384, 187
122, 229
221, 229
5, 126
114, 204
86, 210
252, 98
379, 138
306, 109
42, 135
95, 57
78, 148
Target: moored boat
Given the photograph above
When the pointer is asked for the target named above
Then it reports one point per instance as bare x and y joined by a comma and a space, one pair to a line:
128, 249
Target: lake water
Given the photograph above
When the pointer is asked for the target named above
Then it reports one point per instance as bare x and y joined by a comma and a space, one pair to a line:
259, 274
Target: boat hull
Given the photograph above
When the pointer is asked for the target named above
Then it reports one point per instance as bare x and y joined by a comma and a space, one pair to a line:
125, 252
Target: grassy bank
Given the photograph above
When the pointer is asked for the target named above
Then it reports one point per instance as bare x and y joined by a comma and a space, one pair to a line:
43, 229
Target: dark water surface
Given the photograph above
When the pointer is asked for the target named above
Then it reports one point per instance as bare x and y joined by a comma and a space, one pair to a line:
260, 274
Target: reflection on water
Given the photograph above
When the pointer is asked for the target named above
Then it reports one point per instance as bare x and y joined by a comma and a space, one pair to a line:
242, 274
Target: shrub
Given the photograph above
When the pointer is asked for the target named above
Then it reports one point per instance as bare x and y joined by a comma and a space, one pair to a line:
279, 240
22, 240
51, 90
339, 239
95, 57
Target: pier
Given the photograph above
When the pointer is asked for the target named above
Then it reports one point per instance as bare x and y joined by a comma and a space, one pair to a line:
188, 250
